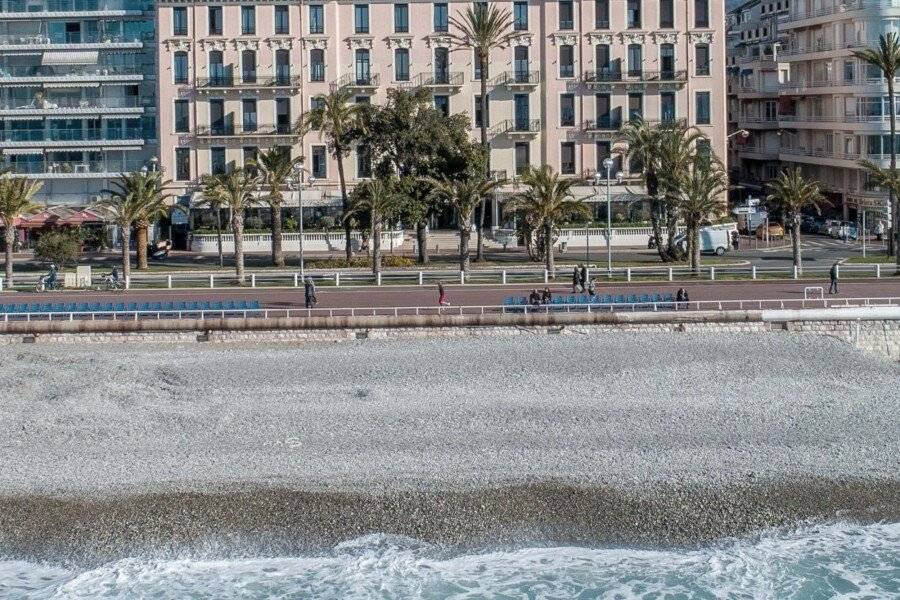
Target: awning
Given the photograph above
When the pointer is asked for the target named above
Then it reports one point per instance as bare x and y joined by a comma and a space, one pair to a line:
84, 57
69, 84
12, 151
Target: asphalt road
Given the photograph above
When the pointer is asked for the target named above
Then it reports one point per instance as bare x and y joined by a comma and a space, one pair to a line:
469, 295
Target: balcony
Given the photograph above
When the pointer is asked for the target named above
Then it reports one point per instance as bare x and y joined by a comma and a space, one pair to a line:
610, 77
248, 80
802, 88
519, 79
244, 130
606, 124
71, 138
835, 7
56, 107
68, 76
87, 169
794, 52
365, 82
517, 128
439, 79
41, 41
35, 9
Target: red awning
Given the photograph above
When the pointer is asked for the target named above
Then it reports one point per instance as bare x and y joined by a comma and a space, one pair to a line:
58, 216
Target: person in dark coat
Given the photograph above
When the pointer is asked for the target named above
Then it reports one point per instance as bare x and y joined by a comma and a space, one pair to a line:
576, 278
833, 276
582, 279
309, 293
546, 296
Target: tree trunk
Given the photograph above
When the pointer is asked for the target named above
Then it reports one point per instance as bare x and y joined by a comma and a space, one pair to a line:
277, 251
695, 247
479, 255
237, 230
894, 237
126, 251
345, 203
795, 242
671, 231
548, 250
141, 231
376, 245
464, 233
219, 235
422, 239
10, 242
657, 231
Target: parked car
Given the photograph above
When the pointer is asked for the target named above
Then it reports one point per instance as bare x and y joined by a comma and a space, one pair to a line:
775, 231
713, 239
845, 230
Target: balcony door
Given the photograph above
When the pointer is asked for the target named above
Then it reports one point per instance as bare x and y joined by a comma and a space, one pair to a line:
521, 63
441, 65
667, 61
522, 112
363, 67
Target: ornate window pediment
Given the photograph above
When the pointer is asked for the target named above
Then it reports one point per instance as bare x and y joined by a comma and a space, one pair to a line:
439, 41
564, 39
701, 37
212, 45
665, 37
359, 42
632, 38
399, 41
519, 39
178, 45
244, 44
595, 38
280, 43
319, 43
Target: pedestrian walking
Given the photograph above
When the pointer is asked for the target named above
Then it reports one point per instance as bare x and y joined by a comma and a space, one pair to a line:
833, 276
735, 240
309, 293
442, 296
592, 290
546, 296
583, 278
576, 277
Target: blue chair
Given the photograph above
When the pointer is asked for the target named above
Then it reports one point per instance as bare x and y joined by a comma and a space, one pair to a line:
82, 307
217, 306
156, 306
508, 301
255, 305
108, 307
132, 306
241, 305
167, 306
143, 307
120, 307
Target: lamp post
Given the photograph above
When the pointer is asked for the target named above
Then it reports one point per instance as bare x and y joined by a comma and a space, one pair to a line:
295, 183
608, 164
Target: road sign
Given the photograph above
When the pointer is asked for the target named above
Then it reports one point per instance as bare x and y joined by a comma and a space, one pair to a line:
744, 210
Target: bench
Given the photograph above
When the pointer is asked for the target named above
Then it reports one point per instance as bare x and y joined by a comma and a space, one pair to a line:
583, 299
109, 307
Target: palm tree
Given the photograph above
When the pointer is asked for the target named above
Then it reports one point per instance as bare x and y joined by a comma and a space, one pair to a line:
378, 200
792, 192
463, 195
136, 201
678, 145
275, 167
547, 201
702, 186
16, 194
644, 148
233, 190
339, 121
887, 58
482, 28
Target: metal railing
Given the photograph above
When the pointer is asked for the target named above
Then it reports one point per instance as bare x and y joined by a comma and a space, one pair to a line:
243, 130
400, 311
636, 76
438, 79
248, 80
518, 78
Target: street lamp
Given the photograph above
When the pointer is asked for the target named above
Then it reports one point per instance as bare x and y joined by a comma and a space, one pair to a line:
295, 182
741, 132
608, 164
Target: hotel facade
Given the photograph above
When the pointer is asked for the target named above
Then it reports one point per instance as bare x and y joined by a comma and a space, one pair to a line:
235, 76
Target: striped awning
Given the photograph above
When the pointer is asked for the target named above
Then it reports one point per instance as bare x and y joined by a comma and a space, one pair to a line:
84, 57
12, 151
67, 84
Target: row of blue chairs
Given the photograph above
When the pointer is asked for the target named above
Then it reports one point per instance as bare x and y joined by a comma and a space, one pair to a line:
596, 299
232, 305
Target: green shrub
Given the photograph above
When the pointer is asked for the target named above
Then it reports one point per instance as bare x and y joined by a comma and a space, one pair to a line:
389, 261
61, 247
397, 261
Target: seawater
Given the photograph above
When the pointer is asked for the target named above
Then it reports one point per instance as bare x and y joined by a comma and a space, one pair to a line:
833, 561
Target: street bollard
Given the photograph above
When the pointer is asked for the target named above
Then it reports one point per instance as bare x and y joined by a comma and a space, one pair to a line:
503, 276
753, 272
252, 279
628, 274
877, 271
712, 273
670, 273
378, 279
421, 278
337, 279
212, 281
796, 272
462, 277
169, 281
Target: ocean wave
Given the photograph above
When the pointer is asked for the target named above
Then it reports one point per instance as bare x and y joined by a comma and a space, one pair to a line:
838, 560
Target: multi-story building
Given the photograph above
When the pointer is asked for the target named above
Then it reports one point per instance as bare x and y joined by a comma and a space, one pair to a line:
234, 76
77, 92
754, 73
832, 106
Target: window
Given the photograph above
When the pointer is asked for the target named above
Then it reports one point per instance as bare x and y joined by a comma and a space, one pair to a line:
520, 16
442, 103
182, 164
703, 108
667, 61
250, 154
282, 67
316, 102
635, 60
182, 118
605, 120
634, 14
567, 110
604, 151
283, 115
601, 14
316, 19
567, 61
666, 14
635, 107
363, 162
667, 107
401, 64
217, 161
401, 18
441, 21
217, 75
217, 119
180, 67
319, 164
363, 67
701, 60
701, 13
248, 66
487, 121
317, 64
282, 20
521, 112
248, 110
248, 20
601, 61
215, 20
361, 18
704, 151
849, 71
179, 20
566, 15
567, 158
521, 64
523, 157
441, 65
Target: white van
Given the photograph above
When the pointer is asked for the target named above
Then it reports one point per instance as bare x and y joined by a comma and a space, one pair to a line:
713, 239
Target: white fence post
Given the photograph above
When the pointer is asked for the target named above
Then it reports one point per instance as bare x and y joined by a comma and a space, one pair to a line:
169, 281
753, 272
796, 272
252, 279
296, 277
670, 274
712, 273
337, 279
462, 277
877, 271
378, 279
546, 276
1, 284
628, 274
212, 281
503, 277
421, 278
128, 282
837, 271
